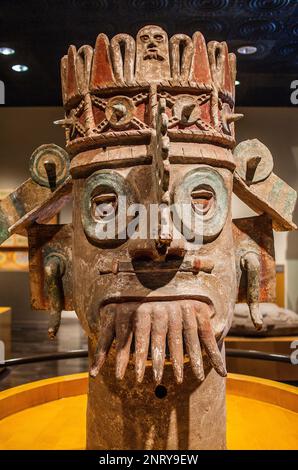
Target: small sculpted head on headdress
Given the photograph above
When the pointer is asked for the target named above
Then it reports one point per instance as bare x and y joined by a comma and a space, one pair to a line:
152, 53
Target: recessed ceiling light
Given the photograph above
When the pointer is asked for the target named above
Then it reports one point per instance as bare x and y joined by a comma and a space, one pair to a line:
237, 82
6, 51
247, 50
19, 68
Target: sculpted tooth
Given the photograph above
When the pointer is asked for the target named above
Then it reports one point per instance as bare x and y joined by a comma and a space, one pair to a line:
207, 337
164, 320
158, 339
175, 339
106, 336
190, 332
124, 333
142, 329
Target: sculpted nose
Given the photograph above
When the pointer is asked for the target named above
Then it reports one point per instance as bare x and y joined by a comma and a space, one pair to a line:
165, 230
143, 249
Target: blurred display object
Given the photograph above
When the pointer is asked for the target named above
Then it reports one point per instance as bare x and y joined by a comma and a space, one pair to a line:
277, 321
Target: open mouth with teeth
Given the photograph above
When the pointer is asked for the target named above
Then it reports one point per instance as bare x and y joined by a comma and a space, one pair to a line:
149, 329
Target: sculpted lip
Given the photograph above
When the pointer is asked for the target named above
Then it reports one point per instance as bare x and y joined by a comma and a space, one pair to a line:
155, 298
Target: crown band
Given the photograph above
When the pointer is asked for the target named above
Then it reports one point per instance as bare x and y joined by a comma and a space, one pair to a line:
111, 92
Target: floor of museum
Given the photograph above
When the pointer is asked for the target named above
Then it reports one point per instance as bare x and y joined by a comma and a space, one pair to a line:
30, 338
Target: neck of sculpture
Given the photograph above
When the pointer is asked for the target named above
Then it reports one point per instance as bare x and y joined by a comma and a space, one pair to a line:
129, 416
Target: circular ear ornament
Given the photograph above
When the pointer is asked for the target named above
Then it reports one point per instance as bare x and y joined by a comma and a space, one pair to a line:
254, 161
105, 200
49, 165
202, 202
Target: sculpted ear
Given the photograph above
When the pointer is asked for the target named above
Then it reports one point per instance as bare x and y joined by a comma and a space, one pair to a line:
39, 198
25, 211
262, 190
255, 263
50, 270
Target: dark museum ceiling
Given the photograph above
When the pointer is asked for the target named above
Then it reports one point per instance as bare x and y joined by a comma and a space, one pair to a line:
41, 30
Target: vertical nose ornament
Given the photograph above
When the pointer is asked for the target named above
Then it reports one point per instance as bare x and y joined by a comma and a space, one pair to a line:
165, 235
162, 164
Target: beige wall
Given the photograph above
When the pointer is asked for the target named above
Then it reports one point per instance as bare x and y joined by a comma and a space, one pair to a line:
23, 129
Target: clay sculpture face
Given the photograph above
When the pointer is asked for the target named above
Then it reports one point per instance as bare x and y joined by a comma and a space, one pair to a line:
152, 54
152, 43
153, 262
157, 292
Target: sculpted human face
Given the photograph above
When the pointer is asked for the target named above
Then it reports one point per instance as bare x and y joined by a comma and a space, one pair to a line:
152, 55
145, 294
154, 43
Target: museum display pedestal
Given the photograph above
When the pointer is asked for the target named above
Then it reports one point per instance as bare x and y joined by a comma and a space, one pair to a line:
51, 414
269, 370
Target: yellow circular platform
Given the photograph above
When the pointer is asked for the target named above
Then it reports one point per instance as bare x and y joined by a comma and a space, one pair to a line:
51, 414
